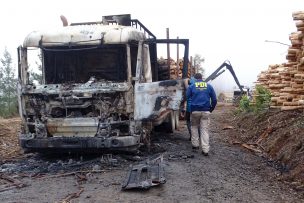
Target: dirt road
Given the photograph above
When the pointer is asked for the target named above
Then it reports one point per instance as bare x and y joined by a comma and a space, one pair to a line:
229, 174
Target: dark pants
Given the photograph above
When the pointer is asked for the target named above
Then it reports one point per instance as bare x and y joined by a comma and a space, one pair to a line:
188, 116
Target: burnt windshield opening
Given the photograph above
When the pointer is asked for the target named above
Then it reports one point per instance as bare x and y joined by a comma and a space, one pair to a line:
69, 65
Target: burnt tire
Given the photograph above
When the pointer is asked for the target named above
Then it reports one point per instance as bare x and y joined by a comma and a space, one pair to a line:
171, 122
176, 116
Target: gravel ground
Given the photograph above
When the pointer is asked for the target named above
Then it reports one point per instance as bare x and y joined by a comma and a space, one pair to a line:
229, 174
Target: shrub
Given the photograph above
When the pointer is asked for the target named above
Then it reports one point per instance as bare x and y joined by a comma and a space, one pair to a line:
262, 98
244, 104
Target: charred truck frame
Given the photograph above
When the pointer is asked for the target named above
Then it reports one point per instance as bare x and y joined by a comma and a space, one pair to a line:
100, 87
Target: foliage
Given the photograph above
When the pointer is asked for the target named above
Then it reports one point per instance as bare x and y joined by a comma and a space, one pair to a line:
261, 102
8, 86
244, 104
263, 98
198, 61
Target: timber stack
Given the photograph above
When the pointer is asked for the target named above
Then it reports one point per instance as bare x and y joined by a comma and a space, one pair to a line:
175, 70
286, 81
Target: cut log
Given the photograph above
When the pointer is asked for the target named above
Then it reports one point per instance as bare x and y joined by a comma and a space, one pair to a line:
300, 29
301, 62
295, 13
290, 103
299, 16
288, 108
286, 80
293, 51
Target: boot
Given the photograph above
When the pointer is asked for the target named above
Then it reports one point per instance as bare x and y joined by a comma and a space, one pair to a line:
195, 149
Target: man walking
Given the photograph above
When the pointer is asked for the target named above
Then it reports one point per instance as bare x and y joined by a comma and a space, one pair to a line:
203, 101
188, 109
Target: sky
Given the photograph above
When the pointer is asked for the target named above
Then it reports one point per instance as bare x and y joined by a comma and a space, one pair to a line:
218, 30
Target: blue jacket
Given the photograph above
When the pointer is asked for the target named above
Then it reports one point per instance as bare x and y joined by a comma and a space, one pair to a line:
188, 108
202, 96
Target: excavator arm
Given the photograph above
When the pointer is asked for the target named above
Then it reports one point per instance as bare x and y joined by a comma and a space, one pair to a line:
219, 71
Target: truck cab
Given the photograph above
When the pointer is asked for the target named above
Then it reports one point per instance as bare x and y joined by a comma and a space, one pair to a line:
97, 90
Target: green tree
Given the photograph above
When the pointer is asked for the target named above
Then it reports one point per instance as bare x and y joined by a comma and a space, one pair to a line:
261, 102
262, 98
198, 64
8, 86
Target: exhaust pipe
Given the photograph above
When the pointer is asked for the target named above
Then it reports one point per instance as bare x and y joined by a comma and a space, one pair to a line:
64, 21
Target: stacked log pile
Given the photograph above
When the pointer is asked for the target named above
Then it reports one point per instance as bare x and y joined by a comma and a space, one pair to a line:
176, 68
286, 81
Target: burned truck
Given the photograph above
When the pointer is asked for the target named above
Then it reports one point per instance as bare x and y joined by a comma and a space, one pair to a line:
100, 87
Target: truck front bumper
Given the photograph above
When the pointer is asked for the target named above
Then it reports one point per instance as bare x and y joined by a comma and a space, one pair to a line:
124, 143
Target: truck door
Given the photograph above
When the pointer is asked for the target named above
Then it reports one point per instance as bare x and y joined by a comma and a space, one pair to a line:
153, 99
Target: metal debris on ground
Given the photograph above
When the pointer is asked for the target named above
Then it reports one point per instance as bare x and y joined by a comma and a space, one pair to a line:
69, 174
108, 159
145, 175
174, 157
39, 164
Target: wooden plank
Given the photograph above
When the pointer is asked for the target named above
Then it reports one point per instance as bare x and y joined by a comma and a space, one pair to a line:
288, 108
290, 103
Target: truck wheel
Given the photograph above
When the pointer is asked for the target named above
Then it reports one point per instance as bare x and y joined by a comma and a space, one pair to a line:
171, 122
176, 115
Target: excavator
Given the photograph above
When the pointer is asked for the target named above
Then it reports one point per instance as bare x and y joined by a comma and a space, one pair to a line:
237, 94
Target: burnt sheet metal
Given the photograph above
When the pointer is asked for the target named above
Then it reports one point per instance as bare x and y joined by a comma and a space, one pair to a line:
145, 175
88, 88
124, 19
84, 35
151, 99
168, 83
160, 101
73, 127
123, 143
